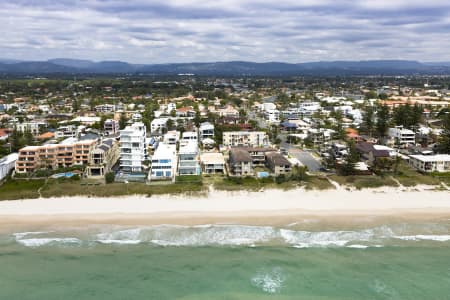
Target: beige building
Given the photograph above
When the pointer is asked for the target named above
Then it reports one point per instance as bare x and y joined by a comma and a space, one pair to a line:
68, 153
103, 158
245, 139
278, 164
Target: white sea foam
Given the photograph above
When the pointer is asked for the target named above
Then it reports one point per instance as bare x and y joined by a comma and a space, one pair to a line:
38, 242
20, 235
269, 281
358, 246
423, 237
212, 235
120, 242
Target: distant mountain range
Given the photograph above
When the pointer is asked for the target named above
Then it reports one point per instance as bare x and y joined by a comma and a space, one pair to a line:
232, 68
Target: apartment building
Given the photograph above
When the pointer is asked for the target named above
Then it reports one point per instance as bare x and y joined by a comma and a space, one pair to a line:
164, 162
402, 136
133, 148
172, 137
188, 158
245, 139
68, 153
431, 163
105, 108
103, 158
111, 127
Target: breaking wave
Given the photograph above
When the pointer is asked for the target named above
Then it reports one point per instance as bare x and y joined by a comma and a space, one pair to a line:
239, 235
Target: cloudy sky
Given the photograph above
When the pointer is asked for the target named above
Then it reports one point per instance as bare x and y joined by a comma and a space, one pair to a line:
160, 31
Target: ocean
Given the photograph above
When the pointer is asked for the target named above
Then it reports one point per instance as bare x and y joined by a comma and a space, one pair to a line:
304, 260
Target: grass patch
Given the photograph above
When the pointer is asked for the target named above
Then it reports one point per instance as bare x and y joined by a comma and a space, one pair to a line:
364, 181
20, 189
58, 189
408, 177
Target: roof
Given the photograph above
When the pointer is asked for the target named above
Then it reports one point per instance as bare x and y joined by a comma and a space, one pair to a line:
365, 147
212, 158
432, 158
277, 159
46, 135
240, 155
288, 125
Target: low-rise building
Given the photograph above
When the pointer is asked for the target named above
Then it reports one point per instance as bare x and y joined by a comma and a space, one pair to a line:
103, 158
212, 163
111, 127
431, 163
402, 136
164, 162
206, 131
189, 159
68, 153
240, 162
105, 108
159, 125
245, 139
278, 164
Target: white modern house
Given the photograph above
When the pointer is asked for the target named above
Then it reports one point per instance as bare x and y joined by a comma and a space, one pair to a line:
245, 139
206, 131
272, 116
164, 162
7, 164
159, 125
172, 137
402, 136
431, 163
133, 148
188, 157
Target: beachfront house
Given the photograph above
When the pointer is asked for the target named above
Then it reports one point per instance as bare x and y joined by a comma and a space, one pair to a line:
188, 157
240, 162
164, 162
212, 163
103, 158
278, 164
431, 163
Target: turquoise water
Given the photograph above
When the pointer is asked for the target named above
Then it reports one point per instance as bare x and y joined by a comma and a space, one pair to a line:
296, 261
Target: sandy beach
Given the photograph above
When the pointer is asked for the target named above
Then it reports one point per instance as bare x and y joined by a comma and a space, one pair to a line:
268, 207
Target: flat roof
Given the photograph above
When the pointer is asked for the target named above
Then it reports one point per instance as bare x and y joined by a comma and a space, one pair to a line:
212, 158
432, 158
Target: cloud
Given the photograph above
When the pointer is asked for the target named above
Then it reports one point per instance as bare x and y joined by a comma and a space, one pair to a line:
157, 31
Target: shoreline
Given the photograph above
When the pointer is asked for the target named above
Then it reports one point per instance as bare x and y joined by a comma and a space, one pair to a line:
270, 207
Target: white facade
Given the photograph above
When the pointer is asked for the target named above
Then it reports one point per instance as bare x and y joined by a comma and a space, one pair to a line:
7, 164
212, 163
105, 108
133, 148
206, 131
402, 136
245, 139
158, 126
431, 163
164, 162
172, 137
189, 159
272, 116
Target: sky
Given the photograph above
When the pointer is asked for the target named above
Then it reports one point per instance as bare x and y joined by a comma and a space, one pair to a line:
171, 31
